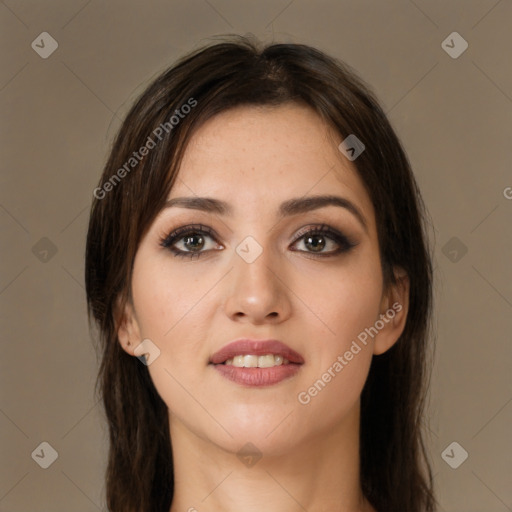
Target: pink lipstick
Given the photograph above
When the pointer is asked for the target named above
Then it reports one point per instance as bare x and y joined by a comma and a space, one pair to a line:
257, 362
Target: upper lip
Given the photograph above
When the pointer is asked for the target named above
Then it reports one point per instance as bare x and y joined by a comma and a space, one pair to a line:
255, 347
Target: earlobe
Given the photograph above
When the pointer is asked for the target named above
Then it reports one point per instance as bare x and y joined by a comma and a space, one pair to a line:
128, 329
393, 313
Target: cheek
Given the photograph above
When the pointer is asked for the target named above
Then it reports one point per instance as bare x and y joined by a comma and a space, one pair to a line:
343, 353
347, 303
166, 298
343, 302
172, 311
171, 314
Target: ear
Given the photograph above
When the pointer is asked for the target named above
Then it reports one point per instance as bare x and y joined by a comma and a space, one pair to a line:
393, 312
128, 331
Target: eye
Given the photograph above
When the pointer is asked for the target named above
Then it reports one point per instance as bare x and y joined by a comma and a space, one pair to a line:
323, 241
191, 241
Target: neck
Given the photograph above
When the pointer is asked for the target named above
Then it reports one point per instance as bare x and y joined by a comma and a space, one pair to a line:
319, 475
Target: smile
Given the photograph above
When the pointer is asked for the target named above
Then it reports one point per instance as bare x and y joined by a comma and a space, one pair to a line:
254, 361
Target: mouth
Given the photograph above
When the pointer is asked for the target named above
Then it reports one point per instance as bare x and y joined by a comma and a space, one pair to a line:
257, 362
254, 361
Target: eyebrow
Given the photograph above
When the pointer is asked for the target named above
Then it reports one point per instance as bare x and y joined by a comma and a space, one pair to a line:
290, 207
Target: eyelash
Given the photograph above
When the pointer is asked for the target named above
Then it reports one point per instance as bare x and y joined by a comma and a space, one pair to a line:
345, 243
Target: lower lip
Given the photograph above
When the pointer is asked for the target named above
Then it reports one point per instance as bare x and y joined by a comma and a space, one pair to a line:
258, 376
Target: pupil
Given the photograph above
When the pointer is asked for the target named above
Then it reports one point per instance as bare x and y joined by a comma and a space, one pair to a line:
316, 246
189, 242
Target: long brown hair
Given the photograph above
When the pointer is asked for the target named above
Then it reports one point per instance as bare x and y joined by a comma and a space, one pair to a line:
395, 471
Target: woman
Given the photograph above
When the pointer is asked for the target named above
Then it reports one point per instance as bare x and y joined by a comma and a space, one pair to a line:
259, 272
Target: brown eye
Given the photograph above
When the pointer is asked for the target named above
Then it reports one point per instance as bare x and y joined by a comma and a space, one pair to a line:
191, 241
323, 241
194, 242
315, 242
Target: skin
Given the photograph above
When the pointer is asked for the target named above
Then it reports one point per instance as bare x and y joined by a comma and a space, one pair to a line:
255, 158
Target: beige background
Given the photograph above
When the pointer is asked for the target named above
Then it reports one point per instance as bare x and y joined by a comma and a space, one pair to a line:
58, 116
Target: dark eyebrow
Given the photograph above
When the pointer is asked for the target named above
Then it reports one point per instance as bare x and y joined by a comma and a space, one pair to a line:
205, 204
308, 203
288, 208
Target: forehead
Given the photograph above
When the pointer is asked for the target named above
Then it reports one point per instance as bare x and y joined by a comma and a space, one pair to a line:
265, 155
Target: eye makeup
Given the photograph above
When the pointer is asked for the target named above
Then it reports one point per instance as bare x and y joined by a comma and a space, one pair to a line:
193, 238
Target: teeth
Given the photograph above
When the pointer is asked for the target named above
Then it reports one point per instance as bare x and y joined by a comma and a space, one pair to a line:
252, 361
266, 361
238, 361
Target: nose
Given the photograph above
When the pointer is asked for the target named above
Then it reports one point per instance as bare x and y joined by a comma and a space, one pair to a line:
257, 292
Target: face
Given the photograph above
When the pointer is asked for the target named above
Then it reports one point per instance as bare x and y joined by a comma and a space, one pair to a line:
262, 263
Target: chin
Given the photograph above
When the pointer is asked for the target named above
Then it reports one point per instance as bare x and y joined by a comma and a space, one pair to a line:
273, 432
268, 446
